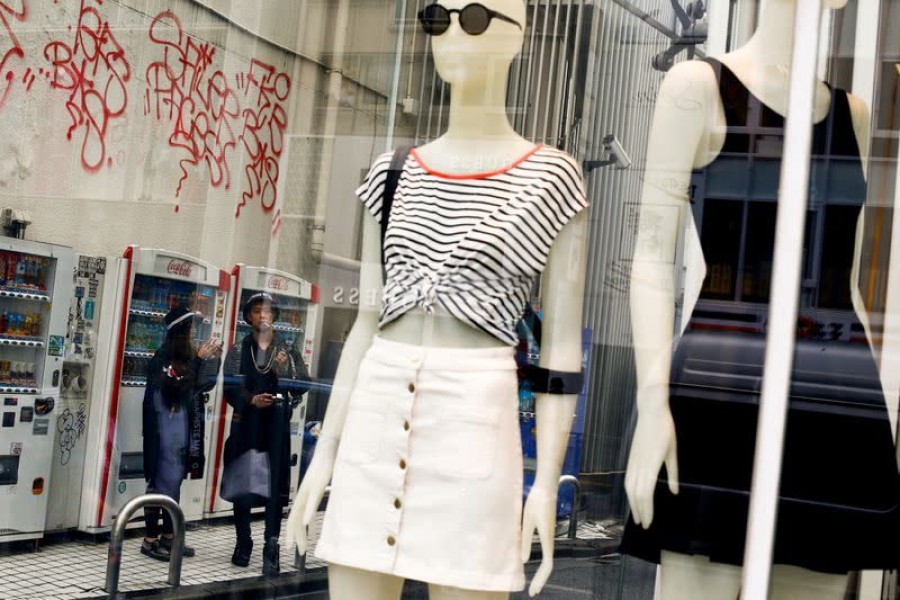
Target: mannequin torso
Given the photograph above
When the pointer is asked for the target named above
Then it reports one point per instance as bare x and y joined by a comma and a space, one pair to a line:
439, 329
479, 139
462, 154
690, 110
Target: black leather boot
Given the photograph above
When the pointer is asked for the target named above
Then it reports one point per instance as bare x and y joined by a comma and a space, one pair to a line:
271, 559
242, 550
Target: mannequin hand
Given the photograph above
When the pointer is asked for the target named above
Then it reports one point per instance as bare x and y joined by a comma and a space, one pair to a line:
311, 491
540, 514
653, 444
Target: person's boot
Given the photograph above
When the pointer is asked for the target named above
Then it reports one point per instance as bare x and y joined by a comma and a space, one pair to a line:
187, 551
242, 550
154, 550
271, 558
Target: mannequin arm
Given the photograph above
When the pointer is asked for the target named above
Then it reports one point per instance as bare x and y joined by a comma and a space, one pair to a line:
678, 143
562, 301
312, 488
860, 114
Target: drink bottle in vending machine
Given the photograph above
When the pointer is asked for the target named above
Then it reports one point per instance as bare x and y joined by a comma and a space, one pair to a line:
23, 272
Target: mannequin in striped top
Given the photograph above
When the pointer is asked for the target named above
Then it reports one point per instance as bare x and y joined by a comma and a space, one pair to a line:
479, 141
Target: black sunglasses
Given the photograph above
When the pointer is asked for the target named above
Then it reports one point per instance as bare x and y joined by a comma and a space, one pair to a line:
473, 18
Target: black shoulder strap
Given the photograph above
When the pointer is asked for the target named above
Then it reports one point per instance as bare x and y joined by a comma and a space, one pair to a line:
716, 66
840, 125
387, 199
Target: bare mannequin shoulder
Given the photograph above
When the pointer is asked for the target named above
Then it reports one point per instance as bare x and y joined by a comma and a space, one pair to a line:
689, 85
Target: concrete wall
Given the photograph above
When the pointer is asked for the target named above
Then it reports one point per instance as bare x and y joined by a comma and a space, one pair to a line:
162, 123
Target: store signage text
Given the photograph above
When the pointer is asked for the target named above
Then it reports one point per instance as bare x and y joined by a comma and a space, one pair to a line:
352, 296
277, 283
179, 267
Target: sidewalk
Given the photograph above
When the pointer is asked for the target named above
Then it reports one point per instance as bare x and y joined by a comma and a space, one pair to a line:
70, 569
77, 569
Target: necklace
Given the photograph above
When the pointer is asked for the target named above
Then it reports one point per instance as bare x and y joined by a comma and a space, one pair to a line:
268, 365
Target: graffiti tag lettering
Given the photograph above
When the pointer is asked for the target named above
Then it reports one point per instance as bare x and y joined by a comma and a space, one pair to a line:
10, 47
94, 70
71, 427
184, 89
265, 119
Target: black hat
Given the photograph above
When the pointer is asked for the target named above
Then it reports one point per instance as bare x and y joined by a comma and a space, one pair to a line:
178, 318
256, 299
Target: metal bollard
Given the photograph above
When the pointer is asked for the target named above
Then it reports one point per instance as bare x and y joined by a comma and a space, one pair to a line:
117, 535
573, 520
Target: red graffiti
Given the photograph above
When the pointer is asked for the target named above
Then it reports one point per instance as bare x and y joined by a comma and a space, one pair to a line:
10, 47
265, 120
94, 70
184, 88
28, 79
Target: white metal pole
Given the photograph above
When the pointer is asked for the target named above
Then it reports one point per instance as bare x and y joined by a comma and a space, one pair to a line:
394, 96
718, 16
792, 200
890, 357
865, 49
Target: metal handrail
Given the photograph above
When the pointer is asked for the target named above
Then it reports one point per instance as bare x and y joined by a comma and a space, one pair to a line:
573, 519
114, 560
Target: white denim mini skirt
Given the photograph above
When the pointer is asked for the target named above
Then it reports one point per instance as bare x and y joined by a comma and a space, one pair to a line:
428, 479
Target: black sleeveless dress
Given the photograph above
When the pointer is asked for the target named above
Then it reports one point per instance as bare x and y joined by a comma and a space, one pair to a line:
840, 488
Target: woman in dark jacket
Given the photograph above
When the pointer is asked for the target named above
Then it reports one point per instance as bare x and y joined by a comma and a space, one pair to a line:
263, 377
173, 421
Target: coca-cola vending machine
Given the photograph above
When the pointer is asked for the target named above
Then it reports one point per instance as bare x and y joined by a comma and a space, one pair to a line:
298, 308
148, 283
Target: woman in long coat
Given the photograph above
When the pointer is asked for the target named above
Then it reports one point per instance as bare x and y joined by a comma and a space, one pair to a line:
173, 429
264, 375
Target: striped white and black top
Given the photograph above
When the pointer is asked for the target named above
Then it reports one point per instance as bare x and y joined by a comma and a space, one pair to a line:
473, 244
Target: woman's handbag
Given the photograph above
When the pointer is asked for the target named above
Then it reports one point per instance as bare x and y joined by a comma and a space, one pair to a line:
247, 475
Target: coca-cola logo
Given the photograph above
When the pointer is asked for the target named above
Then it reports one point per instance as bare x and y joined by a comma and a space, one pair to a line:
179, 267
278, 283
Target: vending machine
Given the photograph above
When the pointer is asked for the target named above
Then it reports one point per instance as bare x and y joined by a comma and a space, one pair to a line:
35, 288
298, 307
148, 282
84, 335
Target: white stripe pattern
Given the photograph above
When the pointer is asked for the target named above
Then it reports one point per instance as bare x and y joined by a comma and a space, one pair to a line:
473, 245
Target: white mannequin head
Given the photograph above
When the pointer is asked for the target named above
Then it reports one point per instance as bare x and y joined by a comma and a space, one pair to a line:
461, 58
771, 42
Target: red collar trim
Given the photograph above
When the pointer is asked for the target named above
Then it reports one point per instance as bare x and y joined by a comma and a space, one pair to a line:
505, 169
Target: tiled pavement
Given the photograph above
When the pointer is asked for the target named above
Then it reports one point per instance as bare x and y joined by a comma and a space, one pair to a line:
77, 569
